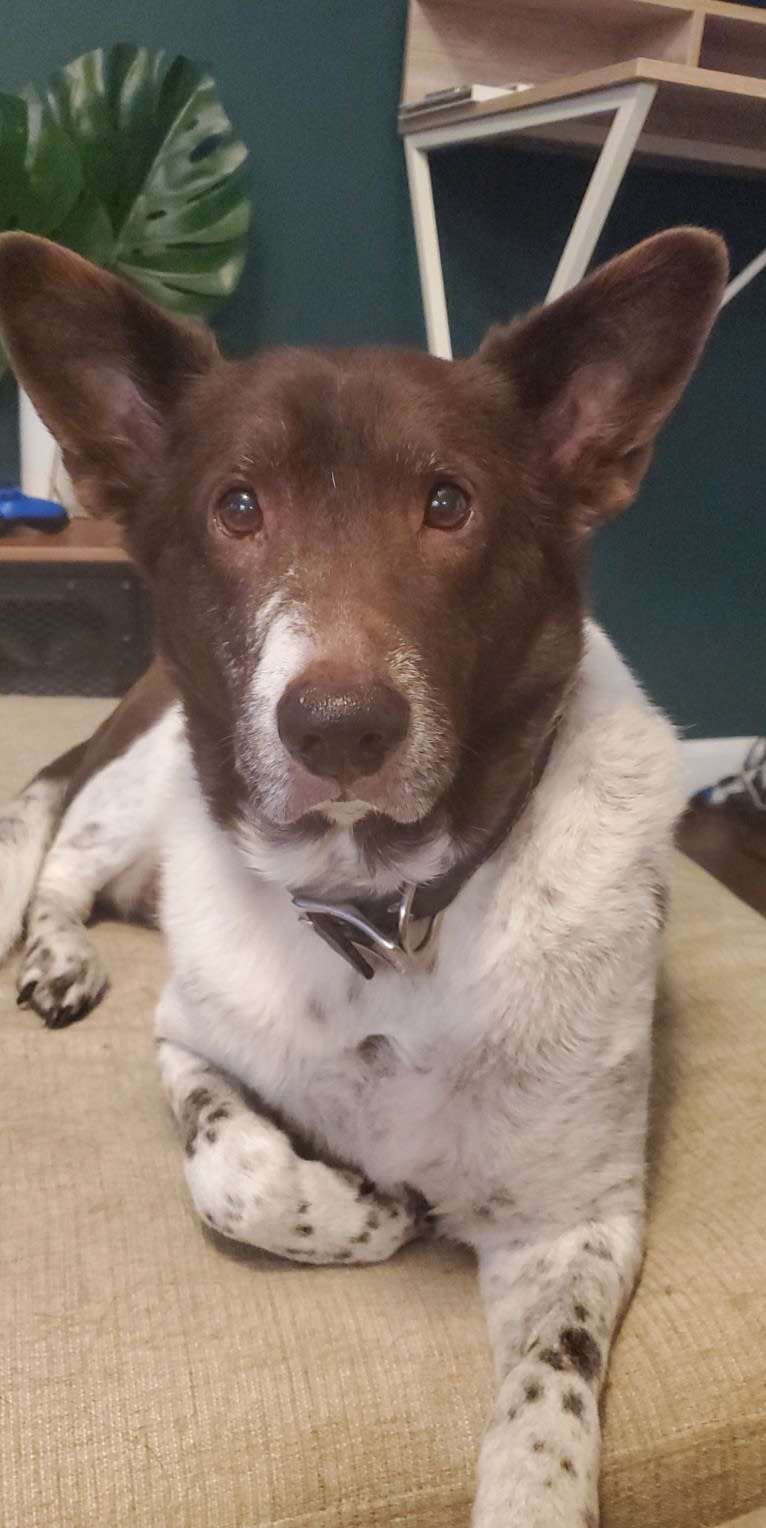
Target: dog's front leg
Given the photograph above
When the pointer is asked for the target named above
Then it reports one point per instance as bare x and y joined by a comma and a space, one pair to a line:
249, 1183
552, 1309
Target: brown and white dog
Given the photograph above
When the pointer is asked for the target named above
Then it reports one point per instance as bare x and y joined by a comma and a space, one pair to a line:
379, 694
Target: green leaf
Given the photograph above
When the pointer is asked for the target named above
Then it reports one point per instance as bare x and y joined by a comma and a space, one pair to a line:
87, 229
41, 180
13, 148
40, 173
54, 173
159, 156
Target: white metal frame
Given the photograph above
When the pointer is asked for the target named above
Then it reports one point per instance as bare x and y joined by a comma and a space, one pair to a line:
630, 104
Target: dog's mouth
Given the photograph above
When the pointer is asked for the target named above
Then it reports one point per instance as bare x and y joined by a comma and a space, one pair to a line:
395, 792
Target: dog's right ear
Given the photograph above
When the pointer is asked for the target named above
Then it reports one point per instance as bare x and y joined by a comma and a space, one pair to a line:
102, 366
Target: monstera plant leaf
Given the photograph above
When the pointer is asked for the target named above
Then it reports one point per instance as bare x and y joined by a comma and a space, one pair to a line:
160, 158
13, 149
41, 177
129, 158
41, 180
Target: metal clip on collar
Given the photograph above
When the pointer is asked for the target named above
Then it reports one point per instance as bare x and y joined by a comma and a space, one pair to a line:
356, 938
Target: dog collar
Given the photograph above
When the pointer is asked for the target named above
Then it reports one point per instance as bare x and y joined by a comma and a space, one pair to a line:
398, 930
349, 929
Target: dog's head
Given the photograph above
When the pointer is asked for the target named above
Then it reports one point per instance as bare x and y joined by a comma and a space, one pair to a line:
366, 565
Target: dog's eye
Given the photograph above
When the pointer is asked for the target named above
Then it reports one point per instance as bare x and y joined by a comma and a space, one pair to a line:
238, 513
447, 507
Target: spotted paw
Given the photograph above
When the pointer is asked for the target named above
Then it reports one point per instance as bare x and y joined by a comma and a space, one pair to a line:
247, 1183
61, 976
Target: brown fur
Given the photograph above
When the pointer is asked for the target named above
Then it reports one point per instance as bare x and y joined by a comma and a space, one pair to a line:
142, 706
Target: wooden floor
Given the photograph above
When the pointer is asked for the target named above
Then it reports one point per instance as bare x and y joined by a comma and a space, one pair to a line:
730, 842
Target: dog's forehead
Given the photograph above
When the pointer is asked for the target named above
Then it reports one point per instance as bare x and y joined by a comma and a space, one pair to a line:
357, 406
300, 383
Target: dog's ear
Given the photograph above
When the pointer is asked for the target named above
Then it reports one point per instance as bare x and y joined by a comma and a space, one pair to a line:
100, 363
598, 371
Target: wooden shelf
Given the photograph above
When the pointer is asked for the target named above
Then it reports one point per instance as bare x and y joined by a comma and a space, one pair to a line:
634, 76
699, 114
83, 540
707, 58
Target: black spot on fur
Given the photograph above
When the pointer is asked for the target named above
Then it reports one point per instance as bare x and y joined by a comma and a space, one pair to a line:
602, 1252
553, 1357
304, 1230
199, 1098
363, 1237
661, 899
573, 1402
373, 1220
366, 1187
343, 1257
581, 1350
60, 985
222, 1112
512, 1414
303, 1208
532, 1391
503, 1201
375, 1051
211, 1135
581, 1314
568, 1467
193, 1105
538, 1446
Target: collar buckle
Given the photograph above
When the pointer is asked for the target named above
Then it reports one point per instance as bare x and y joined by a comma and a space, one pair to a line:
360, 942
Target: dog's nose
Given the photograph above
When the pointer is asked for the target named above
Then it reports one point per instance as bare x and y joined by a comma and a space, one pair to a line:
342, 731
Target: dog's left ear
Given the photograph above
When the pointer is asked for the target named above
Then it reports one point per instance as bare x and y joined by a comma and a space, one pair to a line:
598, 371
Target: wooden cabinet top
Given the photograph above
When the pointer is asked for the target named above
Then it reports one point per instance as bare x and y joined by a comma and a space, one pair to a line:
83, 540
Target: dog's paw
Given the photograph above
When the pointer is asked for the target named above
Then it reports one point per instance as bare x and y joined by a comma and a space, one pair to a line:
61, 975
247, 1183
343, 1218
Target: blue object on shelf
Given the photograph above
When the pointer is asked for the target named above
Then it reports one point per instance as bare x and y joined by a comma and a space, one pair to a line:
17, 508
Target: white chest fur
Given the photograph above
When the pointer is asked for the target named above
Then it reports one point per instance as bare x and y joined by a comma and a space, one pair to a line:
459, 1079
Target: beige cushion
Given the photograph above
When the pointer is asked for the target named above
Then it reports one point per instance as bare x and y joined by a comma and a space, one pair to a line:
154, 1376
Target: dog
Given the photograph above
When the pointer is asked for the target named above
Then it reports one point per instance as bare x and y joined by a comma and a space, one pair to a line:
406, 817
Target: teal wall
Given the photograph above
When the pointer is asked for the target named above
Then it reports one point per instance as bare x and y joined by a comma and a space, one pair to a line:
312, 87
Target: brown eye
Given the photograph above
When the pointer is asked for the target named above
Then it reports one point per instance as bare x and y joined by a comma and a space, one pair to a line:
238, 513
447, 508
